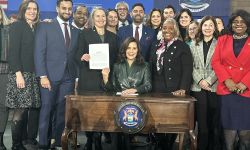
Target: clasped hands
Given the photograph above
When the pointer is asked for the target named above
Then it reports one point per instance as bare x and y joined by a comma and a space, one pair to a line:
238, 88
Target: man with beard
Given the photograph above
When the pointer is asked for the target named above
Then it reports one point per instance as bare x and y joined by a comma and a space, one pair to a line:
143, 34
55, 46
122, 9
80, 17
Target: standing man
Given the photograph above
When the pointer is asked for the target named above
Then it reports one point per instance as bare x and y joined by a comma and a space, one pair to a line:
168, 12
122, 9
55, 48
80, 17
143, 34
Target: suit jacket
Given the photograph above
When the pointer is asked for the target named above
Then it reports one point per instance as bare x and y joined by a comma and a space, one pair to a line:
89, 79
226, 65
51, 55
4, 67
148, 36
177, 66
201, 70
21, 48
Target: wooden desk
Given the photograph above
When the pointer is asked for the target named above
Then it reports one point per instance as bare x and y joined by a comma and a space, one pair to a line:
95, 112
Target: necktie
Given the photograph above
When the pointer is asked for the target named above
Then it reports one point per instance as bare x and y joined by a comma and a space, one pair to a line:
123, 24
137, 33
67, 38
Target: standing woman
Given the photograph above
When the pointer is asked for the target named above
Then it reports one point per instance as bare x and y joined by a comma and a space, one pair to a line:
4, 47
171, 62
94, 35
184, 18
204, 85
192, 31
231, 65
22, 88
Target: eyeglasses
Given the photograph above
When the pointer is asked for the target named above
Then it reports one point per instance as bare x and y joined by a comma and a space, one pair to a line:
192, 29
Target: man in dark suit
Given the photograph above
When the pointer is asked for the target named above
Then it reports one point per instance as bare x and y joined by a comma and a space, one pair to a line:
143, 34
55, 47
123, 15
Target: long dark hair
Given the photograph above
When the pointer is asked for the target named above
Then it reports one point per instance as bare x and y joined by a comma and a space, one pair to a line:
23, 8
239, 13
181, 12
149, 23
122, 55
200, 36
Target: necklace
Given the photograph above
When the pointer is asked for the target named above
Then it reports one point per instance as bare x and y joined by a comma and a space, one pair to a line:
240, 37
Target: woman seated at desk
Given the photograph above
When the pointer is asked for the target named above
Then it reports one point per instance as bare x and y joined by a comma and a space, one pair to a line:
130, 74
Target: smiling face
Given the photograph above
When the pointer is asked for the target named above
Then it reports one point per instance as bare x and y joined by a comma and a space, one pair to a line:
131, 51
168, 31
220, 24
156, 19
80, 16
239, 26
112, 19
64, 10
168, 13
122, 12
185, 19
31, 12
137, 14
208, 28
99, 18
192, 30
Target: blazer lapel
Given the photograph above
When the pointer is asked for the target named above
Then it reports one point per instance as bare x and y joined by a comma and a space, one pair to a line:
210, 52
200, 53
59, 30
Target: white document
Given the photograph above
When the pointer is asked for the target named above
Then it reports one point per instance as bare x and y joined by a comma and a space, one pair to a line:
99, 56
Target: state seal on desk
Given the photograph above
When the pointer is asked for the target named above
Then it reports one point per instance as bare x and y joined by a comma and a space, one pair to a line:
195, 5
130, 116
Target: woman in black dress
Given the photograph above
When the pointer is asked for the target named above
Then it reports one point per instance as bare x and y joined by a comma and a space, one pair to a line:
22, 88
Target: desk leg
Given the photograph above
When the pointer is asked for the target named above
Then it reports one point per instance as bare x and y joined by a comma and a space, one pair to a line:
193, 140
64, 139
181, 138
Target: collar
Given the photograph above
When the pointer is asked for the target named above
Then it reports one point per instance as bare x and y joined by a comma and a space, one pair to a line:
74, 25
61, 21
134, 26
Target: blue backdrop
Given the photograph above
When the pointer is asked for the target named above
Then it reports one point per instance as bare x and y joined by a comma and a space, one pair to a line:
202, 7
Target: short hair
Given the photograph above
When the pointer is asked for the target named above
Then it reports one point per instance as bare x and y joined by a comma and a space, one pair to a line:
176, 28
149, 23
138, 4
78, 6
170, 6
181, 12
121, 3
5, 20
23, 8
58, 2
200, 35
92, 14
124, 46
239, 13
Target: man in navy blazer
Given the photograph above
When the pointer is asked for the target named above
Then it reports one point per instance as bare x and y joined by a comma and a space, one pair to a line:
145, 34
55, 47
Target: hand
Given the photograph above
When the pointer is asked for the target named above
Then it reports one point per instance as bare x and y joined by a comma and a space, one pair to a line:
179, 92
105, 74
241, 87
231, 85
129, 91
20, 80
45, 83
85, 57
204, 85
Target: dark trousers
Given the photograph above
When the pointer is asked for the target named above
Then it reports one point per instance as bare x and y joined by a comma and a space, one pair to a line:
53, 109
208, 117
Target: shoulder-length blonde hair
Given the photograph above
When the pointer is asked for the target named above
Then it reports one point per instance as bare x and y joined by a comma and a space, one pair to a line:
5, 20
91, 18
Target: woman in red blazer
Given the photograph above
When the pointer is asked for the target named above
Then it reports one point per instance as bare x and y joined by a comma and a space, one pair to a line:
231, 65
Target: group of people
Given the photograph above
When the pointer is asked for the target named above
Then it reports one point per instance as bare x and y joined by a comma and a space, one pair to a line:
170, 52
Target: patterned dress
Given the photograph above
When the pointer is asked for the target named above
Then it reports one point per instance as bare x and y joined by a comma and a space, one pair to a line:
28, 97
